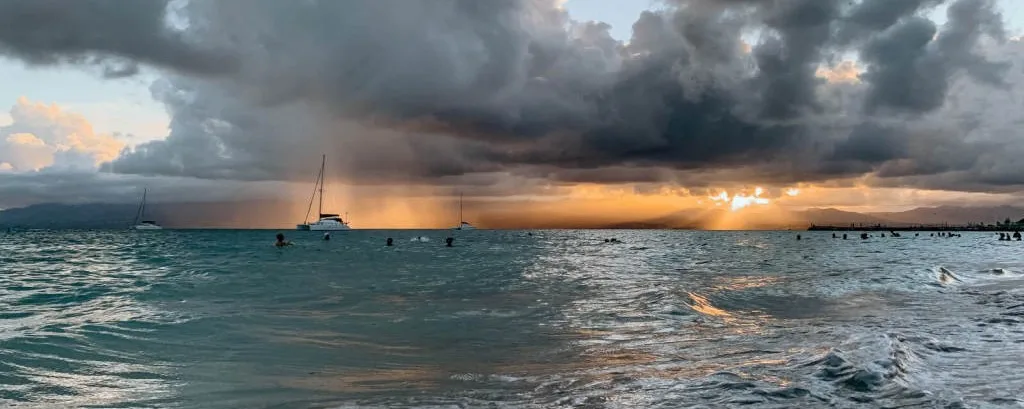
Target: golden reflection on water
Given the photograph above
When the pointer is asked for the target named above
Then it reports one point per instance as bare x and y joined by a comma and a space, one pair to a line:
732, 323
682, 353
703, 306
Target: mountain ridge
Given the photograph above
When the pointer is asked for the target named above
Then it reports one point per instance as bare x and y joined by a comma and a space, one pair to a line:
273, 215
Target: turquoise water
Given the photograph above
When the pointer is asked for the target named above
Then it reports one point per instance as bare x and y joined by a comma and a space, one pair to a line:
222, 319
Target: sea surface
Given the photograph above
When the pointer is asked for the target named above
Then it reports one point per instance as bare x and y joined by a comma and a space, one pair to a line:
516, 319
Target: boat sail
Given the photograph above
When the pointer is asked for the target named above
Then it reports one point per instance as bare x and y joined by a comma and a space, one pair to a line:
140, 223
326, 221
463, 224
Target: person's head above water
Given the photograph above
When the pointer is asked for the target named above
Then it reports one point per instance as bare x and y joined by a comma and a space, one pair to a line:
280, 241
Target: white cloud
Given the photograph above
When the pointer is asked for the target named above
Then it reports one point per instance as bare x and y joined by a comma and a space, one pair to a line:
43, 136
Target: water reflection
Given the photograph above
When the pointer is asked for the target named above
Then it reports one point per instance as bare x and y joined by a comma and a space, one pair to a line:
671, 319
703, 306
73, 318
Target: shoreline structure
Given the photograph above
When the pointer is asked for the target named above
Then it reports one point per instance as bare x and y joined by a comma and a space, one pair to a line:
923, 227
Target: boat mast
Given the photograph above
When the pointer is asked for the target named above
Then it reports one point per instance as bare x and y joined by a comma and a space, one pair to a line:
313, 196
323, 165
142, 207
461, 220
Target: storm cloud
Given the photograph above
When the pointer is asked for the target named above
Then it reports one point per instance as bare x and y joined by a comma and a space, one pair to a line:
116, 35
451, 91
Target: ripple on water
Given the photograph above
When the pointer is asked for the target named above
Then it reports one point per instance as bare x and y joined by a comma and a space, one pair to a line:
552, 319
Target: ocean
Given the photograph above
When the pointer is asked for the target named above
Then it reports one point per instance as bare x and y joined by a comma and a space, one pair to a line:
516, 319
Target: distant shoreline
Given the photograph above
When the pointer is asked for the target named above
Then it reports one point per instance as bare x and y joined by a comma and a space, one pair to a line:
914, 228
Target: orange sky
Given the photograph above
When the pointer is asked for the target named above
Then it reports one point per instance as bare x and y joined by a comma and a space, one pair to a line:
591, 205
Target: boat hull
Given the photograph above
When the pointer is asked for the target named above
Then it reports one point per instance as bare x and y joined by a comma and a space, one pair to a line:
146, 227
329, 226
302, 227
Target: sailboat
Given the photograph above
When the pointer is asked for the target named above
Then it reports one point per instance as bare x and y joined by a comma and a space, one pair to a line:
326, 221
463, 224
141, 214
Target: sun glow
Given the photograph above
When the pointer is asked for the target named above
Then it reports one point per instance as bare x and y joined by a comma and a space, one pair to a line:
739, 201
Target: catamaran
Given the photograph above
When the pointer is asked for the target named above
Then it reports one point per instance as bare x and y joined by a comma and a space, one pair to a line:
141, 214
326, 221
463, 224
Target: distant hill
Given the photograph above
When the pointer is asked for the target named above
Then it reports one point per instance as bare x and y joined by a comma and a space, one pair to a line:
272, 215
955, 215
835, 217
701, 218
171, 215
60, 216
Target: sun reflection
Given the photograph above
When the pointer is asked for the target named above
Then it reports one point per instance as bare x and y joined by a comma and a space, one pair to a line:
703, 306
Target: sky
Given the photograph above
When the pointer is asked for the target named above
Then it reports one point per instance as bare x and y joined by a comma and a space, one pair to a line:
612, 107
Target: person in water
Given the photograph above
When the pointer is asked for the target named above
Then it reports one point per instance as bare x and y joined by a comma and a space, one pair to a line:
327, 236
448, 241
390, 242
281, 242
1016, 235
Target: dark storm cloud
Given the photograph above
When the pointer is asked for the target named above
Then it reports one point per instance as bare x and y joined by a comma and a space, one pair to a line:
910, 71
431, 90
98, 31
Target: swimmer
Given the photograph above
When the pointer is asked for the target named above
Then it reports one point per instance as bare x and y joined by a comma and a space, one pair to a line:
390, 242
448, 241
798, 237
844, 236
281, 242
1016, 235
327, 236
